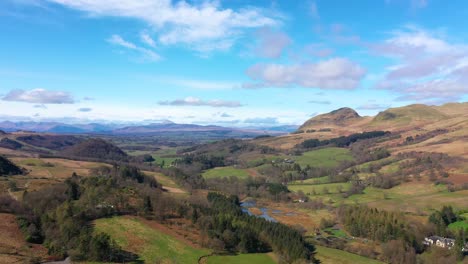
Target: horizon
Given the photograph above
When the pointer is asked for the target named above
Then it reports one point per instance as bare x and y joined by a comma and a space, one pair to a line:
225, 63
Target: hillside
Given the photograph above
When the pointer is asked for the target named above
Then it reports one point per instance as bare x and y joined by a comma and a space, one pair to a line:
10, 144
8, 168
96, 149
449, 122
408, 114
340, 116
52, 142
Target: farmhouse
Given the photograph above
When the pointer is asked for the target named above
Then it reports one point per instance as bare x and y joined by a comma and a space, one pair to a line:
439, 241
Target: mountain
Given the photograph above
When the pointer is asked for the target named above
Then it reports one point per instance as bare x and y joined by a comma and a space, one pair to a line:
164, 126
337, 117
8, 168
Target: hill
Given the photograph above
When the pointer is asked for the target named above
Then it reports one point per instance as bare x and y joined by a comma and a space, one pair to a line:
340, 116
408, 114
10, 144
8, 168
96, 149
52, 142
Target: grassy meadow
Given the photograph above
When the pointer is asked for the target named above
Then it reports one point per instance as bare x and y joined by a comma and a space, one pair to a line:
326, 157
222, 172
150, 244
335, 256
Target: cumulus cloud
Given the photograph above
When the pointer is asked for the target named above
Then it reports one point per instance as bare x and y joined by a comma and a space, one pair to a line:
428, 68
39, 96
335, 73
147, 53
200, 25
85, 109
271, 43
261, 120
193, 101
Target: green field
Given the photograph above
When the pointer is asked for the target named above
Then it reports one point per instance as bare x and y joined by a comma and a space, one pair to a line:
327, 157
407, 197
320, 180
150, 244
335, 256
222, 172
463, 224
241, 259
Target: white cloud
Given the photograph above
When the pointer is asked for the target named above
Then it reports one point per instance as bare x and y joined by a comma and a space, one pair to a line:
147, 39
427, 69
271, 44
147, 53
202, 26
39, 96
194, 101
85, 109
336, 73
41, 106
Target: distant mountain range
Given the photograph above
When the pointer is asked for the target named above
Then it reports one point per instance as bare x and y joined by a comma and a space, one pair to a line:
167, 126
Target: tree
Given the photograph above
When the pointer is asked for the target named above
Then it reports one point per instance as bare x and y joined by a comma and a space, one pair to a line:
460, 243
147, 205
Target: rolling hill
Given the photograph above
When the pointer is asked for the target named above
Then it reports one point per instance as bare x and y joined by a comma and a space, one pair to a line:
96, 148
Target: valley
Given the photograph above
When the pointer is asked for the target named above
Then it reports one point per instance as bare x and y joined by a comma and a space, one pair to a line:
160, 199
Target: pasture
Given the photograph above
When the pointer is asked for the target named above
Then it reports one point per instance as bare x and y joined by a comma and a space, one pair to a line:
326, 157
331, 255
150, 244
222, 172
242, 259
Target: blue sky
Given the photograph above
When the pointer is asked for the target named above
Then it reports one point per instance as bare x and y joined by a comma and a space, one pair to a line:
235, 62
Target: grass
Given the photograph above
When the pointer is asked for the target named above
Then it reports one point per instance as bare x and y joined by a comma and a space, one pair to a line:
463, 224
150, 244
336, 232
241, 259
320, 180
330, 255
163, 179
413, 197
222, 172
326, 157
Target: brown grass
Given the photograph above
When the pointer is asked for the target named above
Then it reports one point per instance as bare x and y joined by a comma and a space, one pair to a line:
13, 247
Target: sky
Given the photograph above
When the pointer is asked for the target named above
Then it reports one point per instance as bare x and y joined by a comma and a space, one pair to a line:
227, 62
